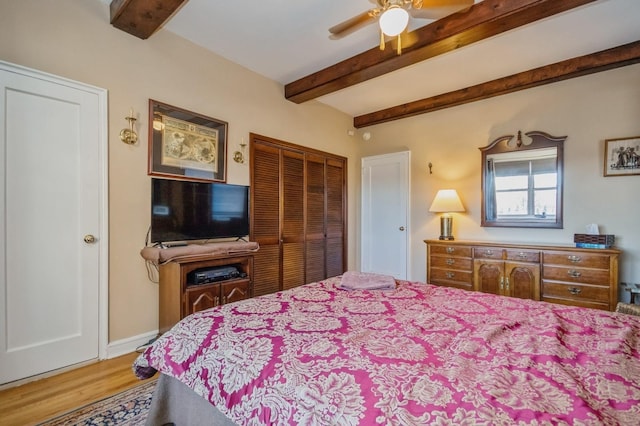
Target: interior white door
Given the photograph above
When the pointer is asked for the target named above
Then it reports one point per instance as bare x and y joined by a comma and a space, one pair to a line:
385, 214
51, 198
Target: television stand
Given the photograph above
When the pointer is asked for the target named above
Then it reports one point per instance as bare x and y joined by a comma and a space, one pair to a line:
180, 295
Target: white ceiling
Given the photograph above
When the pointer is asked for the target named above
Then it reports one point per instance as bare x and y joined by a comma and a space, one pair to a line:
285, 40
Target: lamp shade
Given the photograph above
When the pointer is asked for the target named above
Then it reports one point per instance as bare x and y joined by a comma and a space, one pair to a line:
394, 20
446, 201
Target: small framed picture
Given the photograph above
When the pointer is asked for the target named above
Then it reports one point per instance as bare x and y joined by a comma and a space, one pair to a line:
622, 156
186, 145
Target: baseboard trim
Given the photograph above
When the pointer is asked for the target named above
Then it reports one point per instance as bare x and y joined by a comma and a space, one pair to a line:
128, 345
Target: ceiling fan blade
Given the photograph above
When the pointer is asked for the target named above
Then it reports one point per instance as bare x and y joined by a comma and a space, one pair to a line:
352, 24
436, 9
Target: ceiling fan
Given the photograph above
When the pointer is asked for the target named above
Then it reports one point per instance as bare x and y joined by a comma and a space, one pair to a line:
393, 16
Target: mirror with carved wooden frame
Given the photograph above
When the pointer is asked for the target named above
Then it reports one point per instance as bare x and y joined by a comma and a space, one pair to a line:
522, 181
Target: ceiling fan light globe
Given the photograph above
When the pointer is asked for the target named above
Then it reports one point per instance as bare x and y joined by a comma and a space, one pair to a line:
393, 21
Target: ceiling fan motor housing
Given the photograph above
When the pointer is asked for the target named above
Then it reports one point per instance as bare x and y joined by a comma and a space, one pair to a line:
393, 20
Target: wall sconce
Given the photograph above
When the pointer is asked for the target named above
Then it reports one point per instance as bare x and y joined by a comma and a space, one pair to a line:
129, 136
239, 155
446, 202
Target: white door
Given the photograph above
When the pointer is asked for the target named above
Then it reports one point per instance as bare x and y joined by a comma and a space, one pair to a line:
385, 214
52, 195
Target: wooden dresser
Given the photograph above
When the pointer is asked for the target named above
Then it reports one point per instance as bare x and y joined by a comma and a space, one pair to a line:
558, 274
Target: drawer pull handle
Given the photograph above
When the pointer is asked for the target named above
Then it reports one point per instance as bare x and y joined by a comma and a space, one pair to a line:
501, 283
488, 252
574, 290
573, 273
574, 259
450, 261
506, 284
522, 255
450, 250
450, 274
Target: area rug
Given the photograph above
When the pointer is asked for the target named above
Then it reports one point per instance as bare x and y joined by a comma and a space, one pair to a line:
125, 408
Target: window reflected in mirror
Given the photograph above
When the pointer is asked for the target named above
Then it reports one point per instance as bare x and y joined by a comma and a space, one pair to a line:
522, 181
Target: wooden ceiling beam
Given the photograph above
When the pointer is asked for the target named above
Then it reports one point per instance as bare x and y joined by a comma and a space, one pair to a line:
483, 20
616, 57
142, 18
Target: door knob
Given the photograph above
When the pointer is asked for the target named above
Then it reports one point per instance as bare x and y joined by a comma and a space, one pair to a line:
89, 239
401, 228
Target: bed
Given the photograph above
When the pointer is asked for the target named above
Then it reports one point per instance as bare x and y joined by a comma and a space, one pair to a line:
415, 354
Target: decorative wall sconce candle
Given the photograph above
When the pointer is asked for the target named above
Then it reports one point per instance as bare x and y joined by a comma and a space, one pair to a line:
129, 136
239, 156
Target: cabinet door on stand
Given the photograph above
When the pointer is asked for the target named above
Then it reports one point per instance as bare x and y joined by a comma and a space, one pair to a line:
489, 276
234, 291
201, 298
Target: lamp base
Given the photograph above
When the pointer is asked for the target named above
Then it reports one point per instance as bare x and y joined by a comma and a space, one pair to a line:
446, 225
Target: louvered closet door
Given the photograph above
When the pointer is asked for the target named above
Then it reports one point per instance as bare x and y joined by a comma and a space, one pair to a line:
292, 219
315, 207
336, 214
265, 217
298, 214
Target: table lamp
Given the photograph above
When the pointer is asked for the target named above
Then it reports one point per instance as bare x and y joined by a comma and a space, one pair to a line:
446, 202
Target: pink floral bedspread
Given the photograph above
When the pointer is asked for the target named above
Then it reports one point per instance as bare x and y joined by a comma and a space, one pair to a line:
416, 355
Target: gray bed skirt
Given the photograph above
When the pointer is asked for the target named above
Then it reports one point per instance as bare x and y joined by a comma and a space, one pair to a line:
173, 402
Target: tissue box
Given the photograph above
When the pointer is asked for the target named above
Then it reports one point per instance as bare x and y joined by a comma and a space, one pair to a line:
594, 241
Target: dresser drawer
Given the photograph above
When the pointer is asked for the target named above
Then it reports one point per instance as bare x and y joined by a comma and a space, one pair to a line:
447, 276
576, 275
447, 262
523, 255
460, 251
578, 259
487, 253
575, 292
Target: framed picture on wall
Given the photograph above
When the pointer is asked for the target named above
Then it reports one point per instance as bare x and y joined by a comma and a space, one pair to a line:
622, 156
185, 144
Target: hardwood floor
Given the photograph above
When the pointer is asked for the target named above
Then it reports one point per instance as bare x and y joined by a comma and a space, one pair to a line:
43, 399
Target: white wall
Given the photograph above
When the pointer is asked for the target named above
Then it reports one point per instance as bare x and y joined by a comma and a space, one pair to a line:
588, 110
73, 39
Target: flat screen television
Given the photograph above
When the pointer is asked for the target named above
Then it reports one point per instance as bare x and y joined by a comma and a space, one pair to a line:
187, 211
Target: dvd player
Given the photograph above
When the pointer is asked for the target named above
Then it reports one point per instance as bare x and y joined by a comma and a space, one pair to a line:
210, 275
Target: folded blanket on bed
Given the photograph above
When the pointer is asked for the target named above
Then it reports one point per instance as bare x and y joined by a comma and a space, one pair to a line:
352, 280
